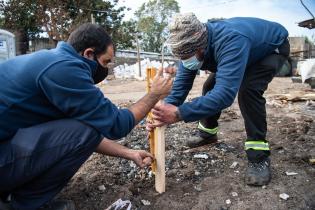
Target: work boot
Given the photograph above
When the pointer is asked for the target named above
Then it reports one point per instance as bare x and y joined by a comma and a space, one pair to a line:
204, 138
59, 205
258, 173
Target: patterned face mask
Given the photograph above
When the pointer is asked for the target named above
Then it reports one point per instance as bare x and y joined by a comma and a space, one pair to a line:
192, 63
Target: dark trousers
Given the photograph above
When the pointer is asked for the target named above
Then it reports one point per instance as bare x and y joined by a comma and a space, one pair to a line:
251, 100
39, 161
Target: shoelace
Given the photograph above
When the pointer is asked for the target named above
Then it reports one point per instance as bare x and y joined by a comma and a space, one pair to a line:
120, 204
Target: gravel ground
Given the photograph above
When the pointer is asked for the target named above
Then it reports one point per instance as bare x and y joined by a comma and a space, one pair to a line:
211, 183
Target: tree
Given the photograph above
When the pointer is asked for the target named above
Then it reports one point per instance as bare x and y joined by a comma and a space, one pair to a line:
126, 34
108, 15
58, 18
20, 18
153, 18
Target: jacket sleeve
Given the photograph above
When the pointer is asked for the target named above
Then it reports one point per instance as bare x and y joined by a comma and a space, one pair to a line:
182, 85
232, 56
69, 87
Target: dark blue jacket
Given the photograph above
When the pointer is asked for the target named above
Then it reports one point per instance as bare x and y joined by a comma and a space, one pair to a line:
56, 84
233, 44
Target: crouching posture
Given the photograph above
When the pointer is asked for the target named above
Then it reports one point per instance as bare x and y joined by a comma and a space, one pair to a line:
53, 117
244, 55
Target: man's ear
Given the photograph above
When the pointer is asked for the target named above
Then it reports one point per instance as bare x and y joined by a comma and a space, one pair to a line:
89, 53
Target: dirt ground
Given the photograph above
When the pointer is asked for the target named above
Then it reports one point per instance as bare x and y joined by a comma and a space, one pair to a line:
194, 183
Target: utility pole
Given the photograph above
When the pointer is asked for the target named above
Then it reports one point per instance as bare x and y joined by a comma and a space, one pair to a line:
92, 18
138, 55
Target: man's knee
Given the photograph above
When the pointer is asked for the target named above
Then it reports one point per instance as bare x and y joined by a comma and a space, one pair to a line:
55, 133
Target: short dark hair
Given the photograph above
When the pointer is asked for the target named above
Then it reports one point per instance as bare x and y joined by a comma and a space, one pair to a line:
90, 35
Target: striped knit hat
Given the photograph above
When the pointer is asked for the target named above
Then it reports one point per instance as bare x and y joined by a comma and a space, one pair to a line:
187, 35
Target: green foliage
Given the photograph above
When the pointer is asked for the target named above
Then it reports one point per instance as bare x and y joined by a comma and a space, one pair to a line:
1, 22
20, 15
59, 17
310, 40
125, 35
153, 17
110, 17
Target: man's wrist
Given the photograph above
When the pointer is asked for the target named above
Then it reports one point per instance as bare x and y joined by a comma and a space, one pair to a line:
154, 95
178, 115
128, 154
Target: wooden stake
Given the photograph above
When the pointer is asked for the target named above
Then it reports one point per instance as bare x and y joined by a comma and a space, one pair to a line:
159, 151
157, 145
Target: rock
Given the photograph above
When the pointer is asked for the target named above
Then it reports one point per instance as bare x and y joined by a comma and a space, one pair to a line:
197, 173
102, 187
234, 194
284, 196
146, 202
198, 188
201, 156
291, 173
228, 202
234, 164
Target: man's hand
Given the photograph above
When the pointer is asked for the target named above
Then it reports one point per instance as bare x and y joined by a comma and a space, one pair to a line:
141, 158
163, 114
166, 113
162, 85
112, 148
150, 125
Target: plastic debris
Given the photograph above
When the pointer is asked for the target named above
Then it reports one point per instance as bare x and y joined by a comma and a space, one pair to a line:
197, 173
228, 202
291, 173
201, 156
146, 202
120, 204
102, 187
234, 164
284, 196
234, 194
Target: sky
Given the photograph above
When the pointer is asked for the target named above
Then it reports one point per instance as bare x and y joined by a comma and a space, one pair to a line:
286, 12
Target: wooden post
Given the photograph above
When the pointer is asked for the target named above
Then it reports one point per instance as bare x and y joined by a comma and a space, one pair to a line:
159, 151
157, 145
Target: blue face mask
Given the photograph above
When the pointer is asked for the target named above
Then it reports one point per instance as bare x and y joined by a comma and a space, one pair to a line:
192, 63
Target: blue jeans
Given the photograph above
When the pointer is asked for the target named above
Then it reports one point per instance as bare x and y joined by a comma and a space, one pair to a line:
39, 161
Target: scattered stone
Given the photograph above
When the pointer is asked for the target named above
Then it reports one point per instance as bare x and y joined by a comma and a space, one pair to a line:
198, 188
228, 202
102, 187
234, 194
291, 173
284, 196
201, 156
197, 173
234, 164
146, 202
